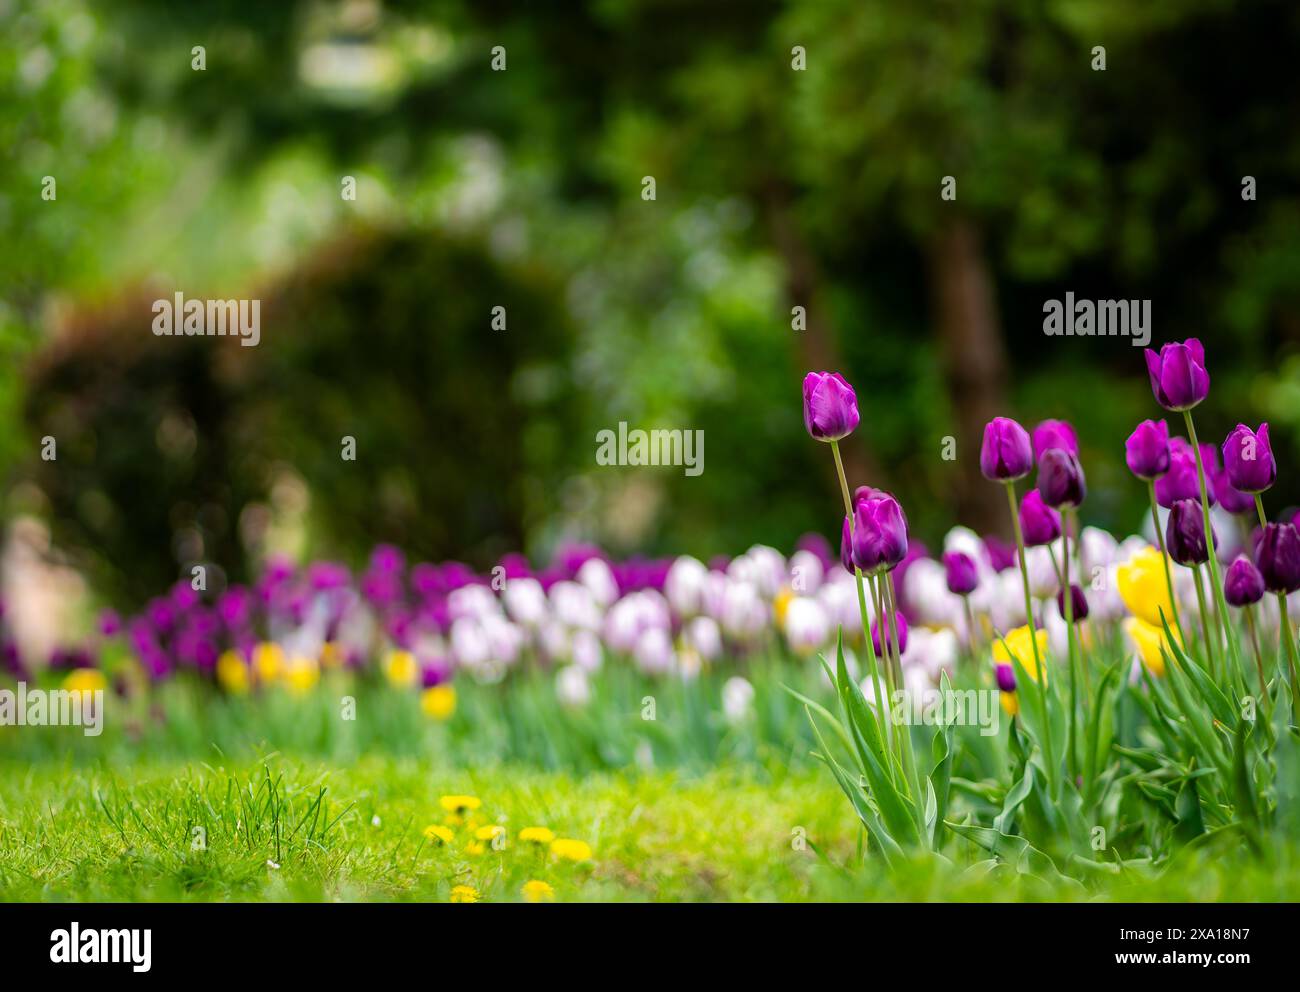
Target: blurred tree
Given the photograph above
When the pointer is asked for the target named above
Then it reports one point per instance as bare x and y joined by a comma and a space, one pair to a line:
460, 429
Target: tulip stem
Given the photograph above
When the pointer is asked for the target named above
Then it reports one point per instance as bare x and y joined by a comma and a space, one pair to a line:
1259, 508
971, 645
862, 596
1164, 557
1040, 674
1259, 655
1205, 619
1220, 606
905, 731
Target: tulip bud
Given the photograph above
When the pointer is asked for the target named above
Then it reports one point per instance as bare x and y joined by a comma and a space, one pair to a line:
1278, 556
1248, 459
830, 406
879, 534
962, 575
1039, 523
1185, 534
1243, 585
1006, 676
1054, 434
1006, 454
1078, 602
1181, 481
1060, 478
1178, 377
888, 639
1147, 449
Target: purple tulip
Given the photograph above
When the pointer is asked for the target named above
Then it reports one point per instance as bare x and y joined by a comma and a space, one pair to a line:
1178, 377
1039, 523
1147, 449
110, 623
1226, 494
1006, 678
1078, 602
1006, 454
1185, 533
1054, 434
879, 534
889, 638
963, 576
830, 407
1060, 478
1248, 459
1181, 481
1278, 556
1243, 585
1002, 554
817, 545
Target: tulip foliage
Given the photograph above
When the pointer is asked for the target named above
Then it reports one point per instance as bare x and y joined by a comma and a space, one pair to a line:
1129, 743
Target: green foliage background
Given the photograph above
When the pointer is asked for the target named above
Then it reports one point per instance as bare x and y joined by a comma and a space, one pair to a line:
522, 188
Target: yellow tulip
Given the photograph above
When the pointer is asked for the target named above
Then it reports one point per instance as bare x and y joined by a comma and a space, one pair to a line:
1141, 582
1019, 645
268, 661
1148, 640
438, 702
301, 674
81, 680
232, 673
401, 668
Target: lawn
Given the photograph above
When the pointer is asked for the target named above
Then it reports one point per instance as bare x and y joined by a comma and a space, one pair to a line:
282, 829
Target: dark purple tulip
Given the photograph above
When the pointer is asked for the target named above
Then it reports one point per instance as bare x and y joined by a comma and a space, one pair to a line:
1243, 585
1038, 521
1006, 454
830, 407
879, 534
1185, 533
1078, 602
1060, 478
889, 636
962, 574
1147, 449
1278, 556
1178, 377
863, 493
1228, 496
1006, 678
1248, 459
1054, 434
1181, 481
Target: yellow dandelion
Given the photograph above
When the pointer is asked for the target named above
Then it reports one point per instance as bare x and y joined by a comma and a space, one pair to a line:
232, 673
400, 668
439, 834
268, 661
538, 891
460, 804
490, 832
464, 893
537, 835
438, 702
474, 848
571, 850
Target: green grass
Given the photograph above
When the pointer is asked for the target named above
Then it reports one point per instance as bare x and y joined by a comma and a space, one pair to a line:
280, 829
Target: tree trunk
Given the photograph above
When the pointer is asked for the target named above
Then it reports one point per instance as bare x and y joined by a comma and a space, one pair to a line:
975, 365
